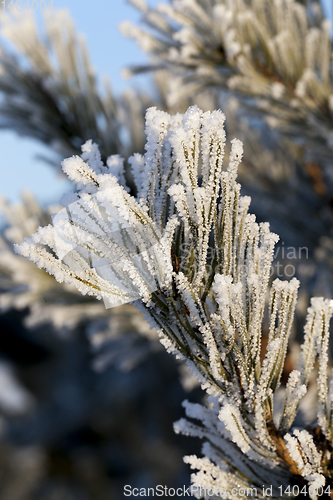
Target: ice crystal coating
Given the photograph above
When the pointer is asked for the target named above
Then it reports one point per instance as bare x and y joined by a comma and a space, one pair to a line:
50, 91
47, 302
205, 287
266, 49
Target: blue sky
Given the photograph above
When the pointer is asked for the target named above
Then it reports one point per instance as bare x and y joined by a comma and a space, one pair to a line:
328, 8
109, 53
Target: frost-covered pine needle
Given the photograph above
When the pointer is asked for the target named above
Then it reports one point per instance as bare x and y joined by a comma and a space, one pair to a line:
188, 254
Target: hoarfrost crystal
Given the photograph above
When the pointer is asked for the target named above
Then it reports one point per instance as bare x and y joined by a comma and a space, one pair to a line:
209, 308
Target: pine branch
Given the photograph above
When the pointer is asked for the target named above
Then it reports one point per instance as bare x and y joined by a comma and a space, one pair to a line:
119, 248
49, 91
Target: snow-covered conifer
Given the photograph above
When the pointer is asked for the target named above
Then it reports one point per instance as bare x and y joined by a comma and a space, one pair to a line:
209, 308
